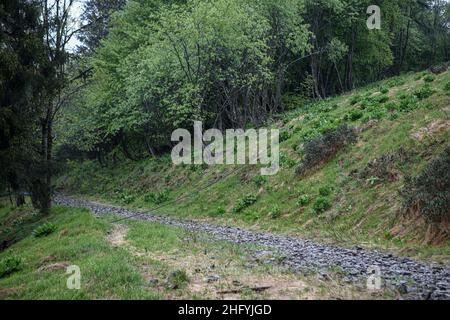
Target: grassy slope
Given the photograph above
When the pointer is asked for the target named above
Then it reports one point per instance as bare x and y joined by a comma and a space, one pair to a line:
362, 212
141, 260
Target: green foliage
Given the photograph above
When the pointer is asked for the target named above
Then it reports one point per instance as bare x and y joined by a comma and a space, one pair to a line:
125, 197
429, 78
9, 265
355, 99
354, 115
260, 181
284, 136
275, 212
324, 147
447, 86
286, 160
325, 191
321, 205
177, 279
428, 193
303, 200
158, 197
384, 90
44, 230
244, 203
425, 92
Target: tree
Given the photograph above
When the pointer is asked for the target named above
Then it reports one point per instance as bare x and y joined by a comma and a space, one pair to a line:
21, 75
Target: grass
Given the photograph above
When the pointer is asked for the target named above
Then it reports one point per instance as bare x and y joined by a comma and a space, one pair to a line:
360, 212
143, 260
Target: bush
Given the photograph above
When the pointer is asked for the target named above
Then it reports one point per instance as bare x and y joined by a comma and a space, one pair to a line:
429, 78
244, 203
259, 181
286, 161
126, 198
44, 230
158, 197
353, 115
355, 99
425, 92
325, 191
385, 167
379, 99
384, 90
324, 147
447, 86
321, 205
217, 213
303, 200
428, 194
10, 265
177, 279
284, 136
275, 212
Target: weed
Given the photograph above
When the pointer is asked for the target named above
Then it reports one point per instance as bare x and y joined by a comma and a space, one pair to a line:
429, 78
275, 212
425, 92
244, 203
158, 197
260, 181
429, 192
321, 205
44, 230
177, 279
303, 200
10, 265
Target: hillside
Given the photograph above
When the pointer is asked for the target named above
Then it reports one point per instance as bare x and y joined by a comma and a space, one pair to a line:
350, 199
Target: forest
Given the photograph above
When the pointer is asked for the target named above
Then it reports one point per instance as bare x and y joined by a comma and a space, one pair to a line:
143, 68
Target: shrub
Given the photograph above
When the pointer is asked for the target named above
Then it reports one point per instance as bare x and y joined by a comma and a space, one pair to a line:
447, 86
10, 265
259, 181
275, 212
286, 161
355, 99
284, 136
321, 205
429, 78
177, 279
324, 147
425, 92
303, 200
126, 198
384, 90
353, 115
244, 203
44, 230
217, 213
379, 99
429, 193
385, 167
325, 191
409, 103
158, 197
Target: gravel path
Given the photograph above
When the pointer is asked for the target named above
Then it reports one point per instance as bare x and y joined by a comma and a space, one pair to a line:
413, 279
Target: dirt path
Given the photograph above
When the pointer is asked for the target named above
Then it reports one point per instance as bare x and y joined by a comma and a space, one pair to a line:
413, 279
